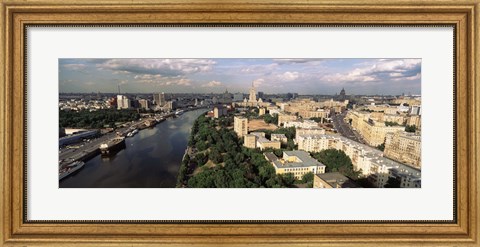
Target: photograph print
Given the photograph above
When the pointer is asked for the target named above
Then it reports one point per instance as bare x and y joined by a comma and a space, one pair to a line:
239, 123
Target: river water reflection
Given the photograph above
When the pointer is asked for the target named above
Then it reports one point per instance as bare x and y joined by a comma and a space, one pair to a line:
151, 159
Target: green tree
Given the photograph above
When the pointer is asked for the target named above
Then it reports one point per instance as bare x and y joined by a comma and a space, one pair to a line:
96, 119
241, 168
288, 132
201, 146
287, 179
307, 177
381, 147
291, 145
215, 156
270, 118
201, 159
410, 128
389, 123
336, 161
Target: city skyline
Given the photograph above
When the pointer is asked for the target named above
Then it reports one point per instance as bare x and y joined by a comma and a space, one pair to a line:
272, 76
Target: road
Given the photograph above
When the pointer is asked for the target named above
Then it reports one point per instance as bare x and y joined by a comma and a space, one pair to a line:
345, 129
70, 154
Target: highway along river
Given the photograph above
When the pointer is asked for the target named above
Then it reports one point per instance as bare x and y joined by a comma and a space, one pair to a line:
151, 159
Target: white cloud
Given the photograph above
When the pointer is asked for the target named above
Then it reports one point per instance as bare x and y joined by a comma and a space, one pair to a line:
409, 78
258, 82
297, 60
74, 66
164, 67
184, 82
259, 69
212, 84
147, 77
161, 80
381, 70
178, 82
288, 76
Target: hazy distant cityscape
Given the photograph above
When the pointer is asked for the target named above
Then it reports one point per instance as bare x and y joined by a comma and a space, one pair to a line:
240, 123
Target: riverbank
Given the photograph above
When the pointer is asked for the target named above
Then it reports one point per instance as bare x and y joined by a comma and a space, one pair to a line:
151, 158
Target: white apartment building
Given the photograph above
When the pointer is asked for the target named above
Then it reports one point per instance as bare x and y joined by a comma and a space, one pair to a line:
305, 124
368, 160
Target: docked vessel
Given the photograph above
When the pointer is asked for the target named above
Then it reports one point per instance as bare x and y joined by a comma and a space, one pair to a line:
112, 146
179, 112
132, 133
69, 169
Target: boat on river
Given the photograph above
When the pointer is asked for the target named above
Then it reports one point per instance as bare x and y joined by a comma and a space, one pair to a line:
112, 146
69, 169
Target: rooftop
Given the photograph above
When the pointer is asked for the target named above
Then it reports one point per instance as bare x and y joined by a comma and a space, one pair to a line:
337, 180
305, 160
270, 156
262, 139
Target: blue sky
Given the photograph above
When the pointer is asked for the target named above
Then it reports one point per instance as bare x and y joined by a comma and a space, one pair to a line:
303, 76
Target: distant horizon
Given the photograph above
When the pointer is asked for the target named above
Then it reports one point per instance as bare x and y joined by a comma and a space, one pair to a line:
122, 93
271, 76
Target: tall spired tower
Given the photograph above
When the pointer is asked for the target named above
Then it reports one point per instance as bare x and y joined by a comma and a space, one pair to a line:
253, 95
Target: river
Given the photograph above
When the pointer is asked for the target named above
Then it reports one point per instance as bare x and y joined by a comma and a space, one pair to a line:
151, 159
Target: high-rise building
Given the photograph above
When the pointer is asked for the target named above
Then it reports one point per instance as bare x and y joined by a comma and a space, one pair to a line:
123, 102
252, 98
260, 95
240, 126
342, 95
120, 102
170, 105
219, 111
144, 104
159, 99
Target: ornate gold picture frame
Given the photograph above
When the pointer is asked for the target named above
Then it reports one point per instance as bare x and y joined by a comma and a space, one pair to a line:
463, 15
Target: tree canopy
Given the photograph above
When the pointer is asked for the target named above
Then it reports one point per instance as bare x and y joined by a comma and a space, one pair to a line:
336, 161
381, 147
235, 166
96, 119
410, 128
271, 118
389, 123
